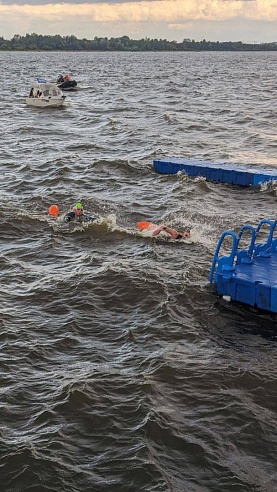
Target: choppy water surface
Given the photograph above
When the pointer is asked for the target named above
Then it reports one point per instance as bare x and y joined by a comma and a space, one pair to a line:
121, 370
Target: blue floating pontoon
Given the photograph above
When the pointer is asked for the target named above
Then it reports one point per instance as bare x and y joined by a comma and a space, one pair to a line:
215, 171
248, 275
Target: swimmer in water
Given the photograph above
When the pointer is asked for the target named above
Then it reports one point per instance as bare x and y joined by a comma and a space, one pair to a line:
78, 215
172, 233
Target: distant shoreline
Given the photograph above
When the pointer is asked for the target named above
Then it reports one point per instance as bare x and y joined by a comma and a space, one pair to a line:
35, 42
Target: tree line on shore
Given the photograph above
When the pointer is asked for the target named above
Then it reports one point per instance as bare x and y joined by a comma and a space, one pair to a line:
38, 42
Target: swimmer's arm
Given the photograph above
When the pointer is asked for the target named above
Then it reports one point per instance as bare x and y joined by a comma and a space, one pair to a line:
88, 218
69, 216
157, 231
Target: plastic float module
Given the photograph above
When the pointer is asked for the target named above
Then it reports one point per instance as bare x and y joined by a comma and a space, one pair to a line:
248, 275
243, 175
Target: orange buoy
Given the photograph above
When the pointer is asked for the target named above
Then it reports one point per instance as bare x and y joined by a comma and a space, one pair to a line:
54, 210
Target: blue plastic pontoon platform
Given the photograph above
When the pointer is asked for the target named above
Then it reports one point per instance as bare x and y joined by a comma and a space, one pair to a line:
248, 275
215, 171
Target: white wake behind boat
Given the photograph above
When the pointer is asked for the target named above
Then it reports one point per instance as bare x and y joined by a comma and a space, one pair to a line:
45, 95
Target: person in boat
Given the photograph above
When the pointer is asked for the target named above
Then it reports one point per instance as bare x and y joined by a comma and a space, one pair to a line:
77, 214
60, 79
67, 78
172, 232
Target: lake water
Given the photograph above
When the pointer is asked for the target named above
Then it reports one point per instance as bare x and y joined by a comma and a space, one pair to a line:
121, 369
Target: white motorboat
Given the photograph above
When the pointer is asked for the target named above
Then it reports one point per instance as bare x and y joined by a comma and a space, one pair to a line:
45, 95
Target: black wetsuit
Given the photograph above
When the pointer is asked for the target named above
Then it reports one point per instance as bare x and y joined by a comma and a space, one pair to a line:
180, 236
83, 218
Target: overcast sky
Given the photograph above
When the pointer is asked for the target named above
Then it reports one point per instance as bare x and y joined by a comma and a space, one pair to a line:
213, 20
